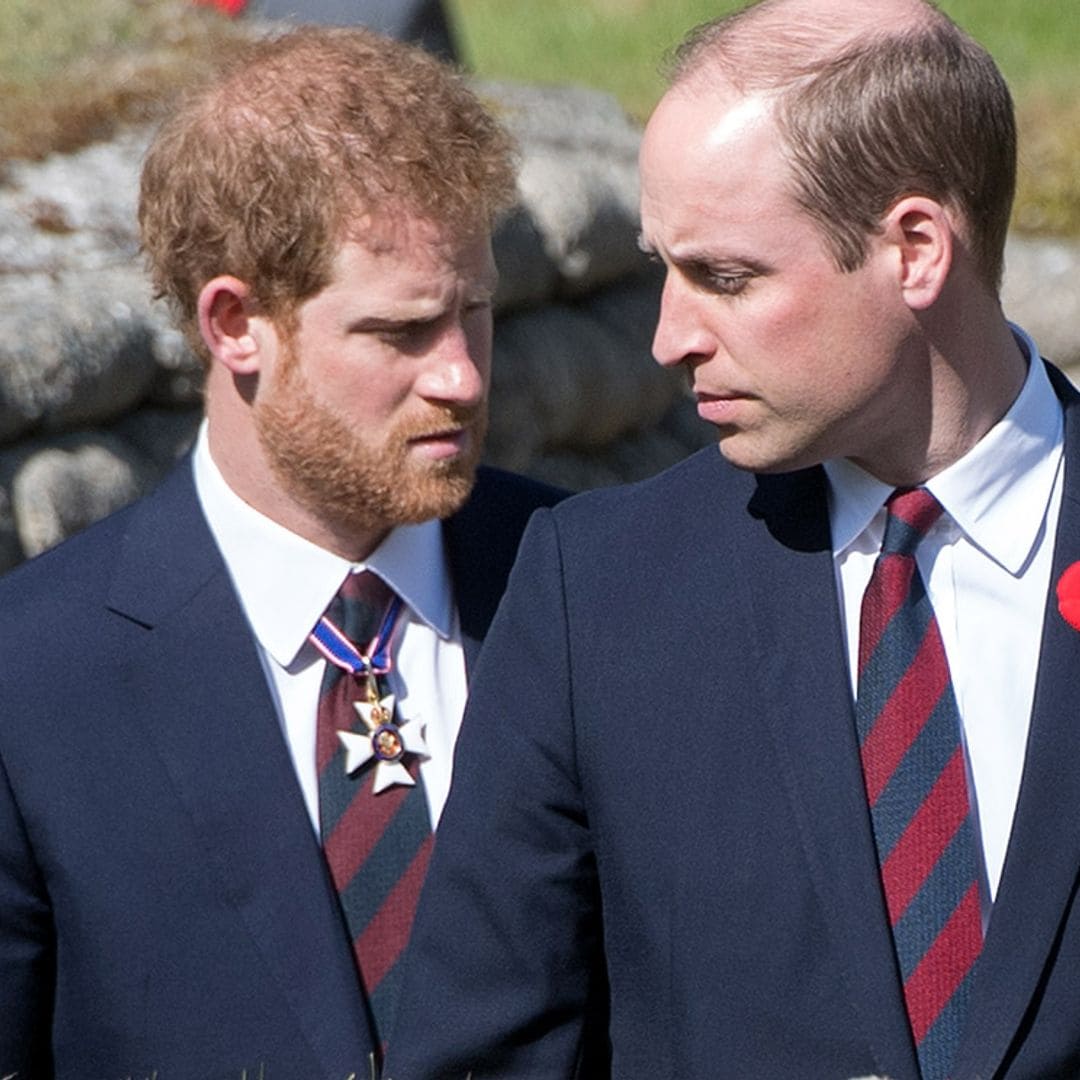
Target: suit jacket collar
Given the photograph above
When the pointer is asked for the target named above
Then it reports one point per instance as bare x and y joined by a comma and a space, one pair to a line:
218, 738
473, 608
822, 773
1041, 865
481, 545
220, 743
801, 645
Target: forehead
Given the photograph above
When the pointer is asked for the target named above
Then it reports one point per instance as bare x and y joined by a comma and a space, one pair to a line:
712, 161
390, 256
400, 235
399, 272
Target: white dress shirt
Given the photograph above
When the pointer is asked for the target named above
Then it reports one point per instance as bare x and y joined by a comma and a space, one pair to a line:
284, 584
986, 563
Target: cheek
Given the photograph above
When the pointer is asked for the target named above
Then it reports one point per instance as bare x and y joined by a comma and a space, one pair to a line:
780, 328
363, 401
824, 322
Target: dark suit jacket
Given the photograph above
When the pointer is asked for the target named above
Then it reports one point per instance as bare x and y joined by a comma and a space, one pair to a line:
659, 757
164, 907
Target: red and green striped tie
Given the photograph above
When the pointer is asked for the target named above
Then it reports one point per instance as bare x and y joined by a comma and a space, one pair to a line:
916, 785
376, 845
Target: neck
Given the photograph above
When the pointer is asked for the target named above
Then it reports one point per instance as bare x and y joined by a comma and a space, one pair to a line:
968, 373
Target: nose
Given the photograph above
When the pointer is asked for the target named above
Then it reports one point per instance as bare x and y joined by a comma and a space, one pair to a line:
681, 331
456, 372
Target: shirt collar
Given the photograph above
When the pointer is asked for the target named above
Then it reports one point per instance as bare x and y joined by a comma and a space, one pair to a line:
997, 494
285, 582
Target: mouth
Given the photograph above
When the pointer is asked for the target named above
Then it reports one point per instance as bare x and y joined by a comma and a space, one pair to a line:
441, 444
720, 408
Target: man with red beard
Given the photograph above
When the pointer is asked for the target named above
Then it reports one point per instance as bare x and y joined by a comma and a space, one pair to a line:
217, 800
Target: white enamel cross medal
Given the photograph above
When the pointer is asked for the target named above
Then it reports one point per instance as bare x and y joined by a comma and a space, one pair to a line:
385, 741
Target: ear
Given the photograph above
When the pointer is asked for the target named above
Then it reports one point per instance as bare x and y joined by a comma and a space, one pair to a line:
227, 324
922, 232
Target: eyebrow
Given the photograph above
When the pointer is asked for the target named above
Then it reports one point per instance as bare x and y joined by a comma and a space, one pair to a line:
482, 291
690, 257
373, 324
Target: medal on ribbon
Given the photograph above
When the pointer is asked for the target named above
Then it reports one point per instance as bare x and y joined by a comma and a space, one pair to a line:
385, 740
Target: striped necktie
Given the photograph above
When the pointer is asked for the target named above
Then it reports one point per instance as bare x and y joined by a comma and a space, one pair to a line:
374, 820
916, 785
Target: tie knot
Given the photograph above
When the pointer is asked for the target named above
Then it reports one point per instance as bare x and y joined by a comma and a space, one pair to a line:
360, 605
911, 513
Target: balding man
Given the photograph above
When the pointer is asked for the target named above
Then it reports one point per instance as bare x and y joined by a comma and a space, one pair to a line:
785, 738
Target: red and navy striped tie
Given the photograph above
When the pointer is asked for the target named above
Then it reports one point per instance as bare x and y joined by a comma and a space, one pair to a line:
377, 846
916, 784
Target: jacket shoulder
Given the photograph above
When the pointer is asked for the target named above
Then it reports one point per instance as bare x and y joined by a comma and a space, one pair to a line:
482, 540
679, 493
497, 490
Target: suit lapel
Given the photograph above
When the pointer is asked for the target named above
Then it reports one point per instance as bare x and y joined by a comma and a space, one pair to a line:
475, 607
478, 585
481, 545
807, 702
1040, 872
220, 743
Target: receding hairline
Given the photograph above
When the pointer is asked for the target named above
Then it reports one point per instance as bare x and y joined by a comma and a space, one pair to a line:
774, 42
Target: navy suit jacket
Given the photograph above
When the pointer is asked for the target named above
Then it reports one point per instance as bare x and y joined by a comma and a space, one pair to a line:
164, 906
659, 757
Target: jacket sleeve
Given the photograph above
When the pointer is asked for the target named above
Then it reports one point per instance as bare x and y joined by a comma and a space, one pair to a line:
27, 955
505, 955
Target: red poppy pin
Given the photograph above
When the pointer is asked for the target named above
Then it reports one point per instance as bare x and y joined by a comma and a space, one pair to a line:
1068, 595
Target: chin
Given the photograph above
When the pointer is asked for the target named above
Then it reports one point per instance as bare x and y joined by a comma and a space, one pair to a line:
747, 459
437, 494
742, 452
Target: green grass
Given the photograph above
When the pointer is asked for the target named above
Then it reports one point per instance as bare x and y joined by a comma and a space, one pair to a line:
71, 69
1035, 42
612, 44
616, 45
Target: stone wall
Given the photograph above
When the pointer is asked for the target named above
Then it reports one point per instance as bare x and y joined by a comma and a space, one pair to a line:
99, 394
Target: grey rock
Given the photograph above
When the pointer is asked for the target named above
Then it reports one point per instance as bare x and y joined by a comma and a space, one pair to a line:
577, 376
179, 374
528, 277
58, 486
75, 349
578, 180
73, 210
1042, 294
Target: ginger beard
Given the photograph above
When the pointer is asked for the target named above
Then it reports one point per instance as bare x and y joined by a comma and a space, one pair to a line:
330, 469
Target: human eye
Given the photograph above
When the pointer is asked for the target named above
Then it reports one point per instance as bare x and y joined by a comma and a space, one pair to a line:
394, 332
728, 284
477, 305
719, 277
404, 335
